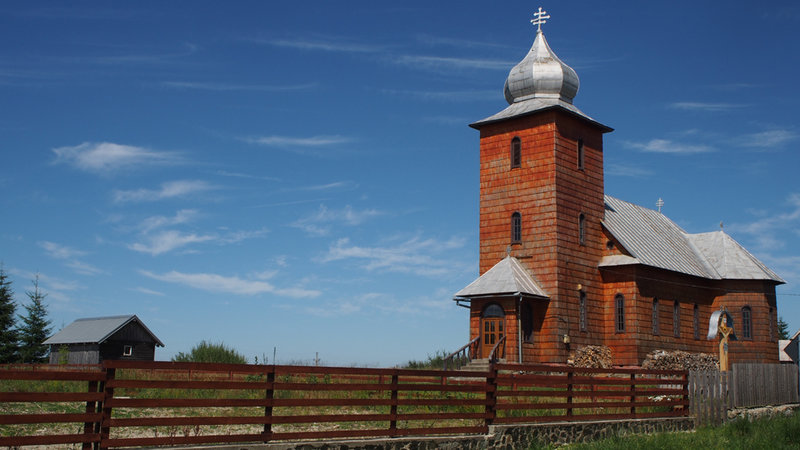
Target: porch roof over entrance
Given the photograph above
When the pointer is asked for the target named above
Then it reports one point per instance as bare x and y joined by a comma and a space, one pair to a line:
508, 277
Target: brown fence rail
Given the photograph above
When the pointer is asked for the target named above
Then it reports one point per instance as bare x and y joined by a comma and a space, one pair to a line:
129, 403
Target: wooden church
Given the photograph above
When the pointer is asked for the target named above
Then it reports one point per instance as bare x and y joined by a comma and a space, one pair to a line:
563, 265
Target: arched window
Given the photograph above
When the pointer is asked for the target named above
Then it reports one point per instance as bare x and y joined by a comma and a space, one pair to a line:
619, 313
771, 325
516, 228
516, 152
696, 321
580, 154
582, 310
655, 317
747, 323
582, 229
493, 310
676, 319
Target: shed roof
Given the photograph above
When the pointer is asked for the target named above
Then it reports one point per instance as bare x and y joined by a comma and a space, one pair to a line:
96, 330
654, 240
508, 277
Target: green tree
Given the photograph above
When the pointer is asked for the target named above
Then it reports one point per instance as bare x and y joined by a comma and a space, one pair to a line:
35, 327
783, 329
207, 352
9, 345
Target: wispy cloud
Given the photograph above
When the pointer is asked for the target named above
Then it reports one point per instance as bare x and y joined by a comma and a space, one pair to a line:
627, 170
323, 43
667, 146
451, 96
319, 223
701, 106
767, 139
168, 240
71, 257
104, 157
287, 141
336, 185
218, 86
172, 189
431, 40
229, 284
449, 62
149, 291
769, 230
155, 222
414, 255
142, 57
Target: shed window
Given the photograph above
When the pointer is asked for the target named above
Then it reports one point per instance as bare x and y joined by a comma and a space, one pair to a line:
127, 350
516, 152
676, 319
516, 228
582, 229
619, 313
655, 317
747, 323
580, 154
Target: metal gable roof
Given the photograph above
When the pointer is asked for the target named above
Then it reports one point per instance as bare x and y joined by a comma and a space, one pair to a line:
95, 330
508, 277
654, 240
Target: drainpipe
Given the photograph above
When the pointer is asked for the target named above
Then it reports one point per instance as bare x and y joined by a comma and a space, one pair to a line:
519, 330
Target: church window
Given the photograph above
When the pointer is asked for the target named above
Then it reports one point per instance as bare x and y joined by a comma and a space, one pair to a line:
582, 229
747, 323
655, 317
580, 154
619, 313
696, 321
582, 310
516, 228
676, 319
516, 152
527, 322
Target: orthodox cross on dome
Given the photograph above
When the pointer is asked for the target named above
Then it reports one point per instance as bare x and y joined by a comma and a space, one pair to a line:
539, 19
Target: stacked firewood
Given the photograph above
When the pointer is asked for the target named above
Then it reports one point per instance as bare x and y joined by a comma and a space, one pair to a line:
596, 356
679, 360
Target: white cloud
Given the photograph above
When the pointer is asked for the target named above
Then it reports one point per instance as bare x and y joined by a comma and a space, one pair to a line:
172, 189
149, 292
156, 222
106, 156
627, 170
769, 138
701, 106
286, 141
317, 224
324, 43
205, 86
230, 285
71, 257
411, 256
769, 230
441, 62
167, 240
667, 146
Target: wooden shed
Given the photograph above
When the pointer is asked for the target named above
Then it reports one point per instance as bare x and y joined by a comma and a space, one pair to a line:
95, 339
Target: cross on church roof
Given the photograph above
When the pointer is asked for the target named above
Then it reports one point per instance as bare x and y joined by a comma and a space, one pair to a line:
539, 19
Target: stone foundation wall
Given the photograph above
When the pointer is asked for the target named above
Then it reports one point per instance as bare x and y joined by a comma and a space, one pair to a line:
500, 437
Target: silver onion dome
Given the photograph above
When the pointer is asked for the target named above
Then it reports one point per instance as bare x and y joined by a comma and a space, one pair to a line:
541, 75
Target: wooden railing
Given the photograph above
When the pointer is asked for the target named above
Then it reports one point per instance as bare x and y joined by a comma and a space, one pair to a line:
498, 351
157, 403
462, 356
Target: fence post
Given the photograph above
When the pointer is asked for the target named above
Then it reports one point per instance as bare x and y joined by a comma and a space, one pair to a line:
491, 395
686, 393
570, 381
91, 408
270, 396
105, 420
633, 394
393, 408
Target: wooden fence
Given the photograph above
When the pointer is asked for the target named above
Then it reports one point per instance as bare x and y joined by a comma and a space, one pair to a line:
713, 393
129, 403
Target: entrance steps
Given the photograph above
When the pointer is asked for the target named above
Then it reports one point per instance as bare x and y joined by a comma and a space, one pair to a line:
479, 365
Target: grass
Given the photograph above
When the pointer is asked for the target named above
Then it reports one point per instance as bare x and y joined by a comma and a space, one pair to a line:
779, 432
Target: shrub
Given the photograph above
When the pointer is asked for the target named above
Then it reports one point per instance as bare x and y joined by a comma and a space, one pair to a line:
207, 352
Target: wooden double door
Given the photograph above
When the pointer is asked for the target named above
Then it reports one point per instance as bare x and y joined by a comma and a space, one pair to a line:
492, 328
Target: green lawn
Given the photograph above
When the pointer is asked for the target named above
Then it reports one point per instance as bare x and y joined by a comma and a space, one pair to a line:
781, 432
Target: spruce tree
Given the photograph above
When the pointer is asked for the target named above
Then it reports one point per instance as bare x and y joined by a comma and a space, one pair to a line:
35, 327
783, 329
9, 346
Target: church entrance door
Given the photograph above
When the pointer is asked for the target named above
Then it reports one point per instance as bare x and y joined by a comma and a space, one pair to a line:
492, 328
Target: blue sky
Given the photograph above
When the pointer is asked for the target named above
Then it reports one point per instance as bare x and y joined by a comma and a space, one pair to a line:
301, 176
